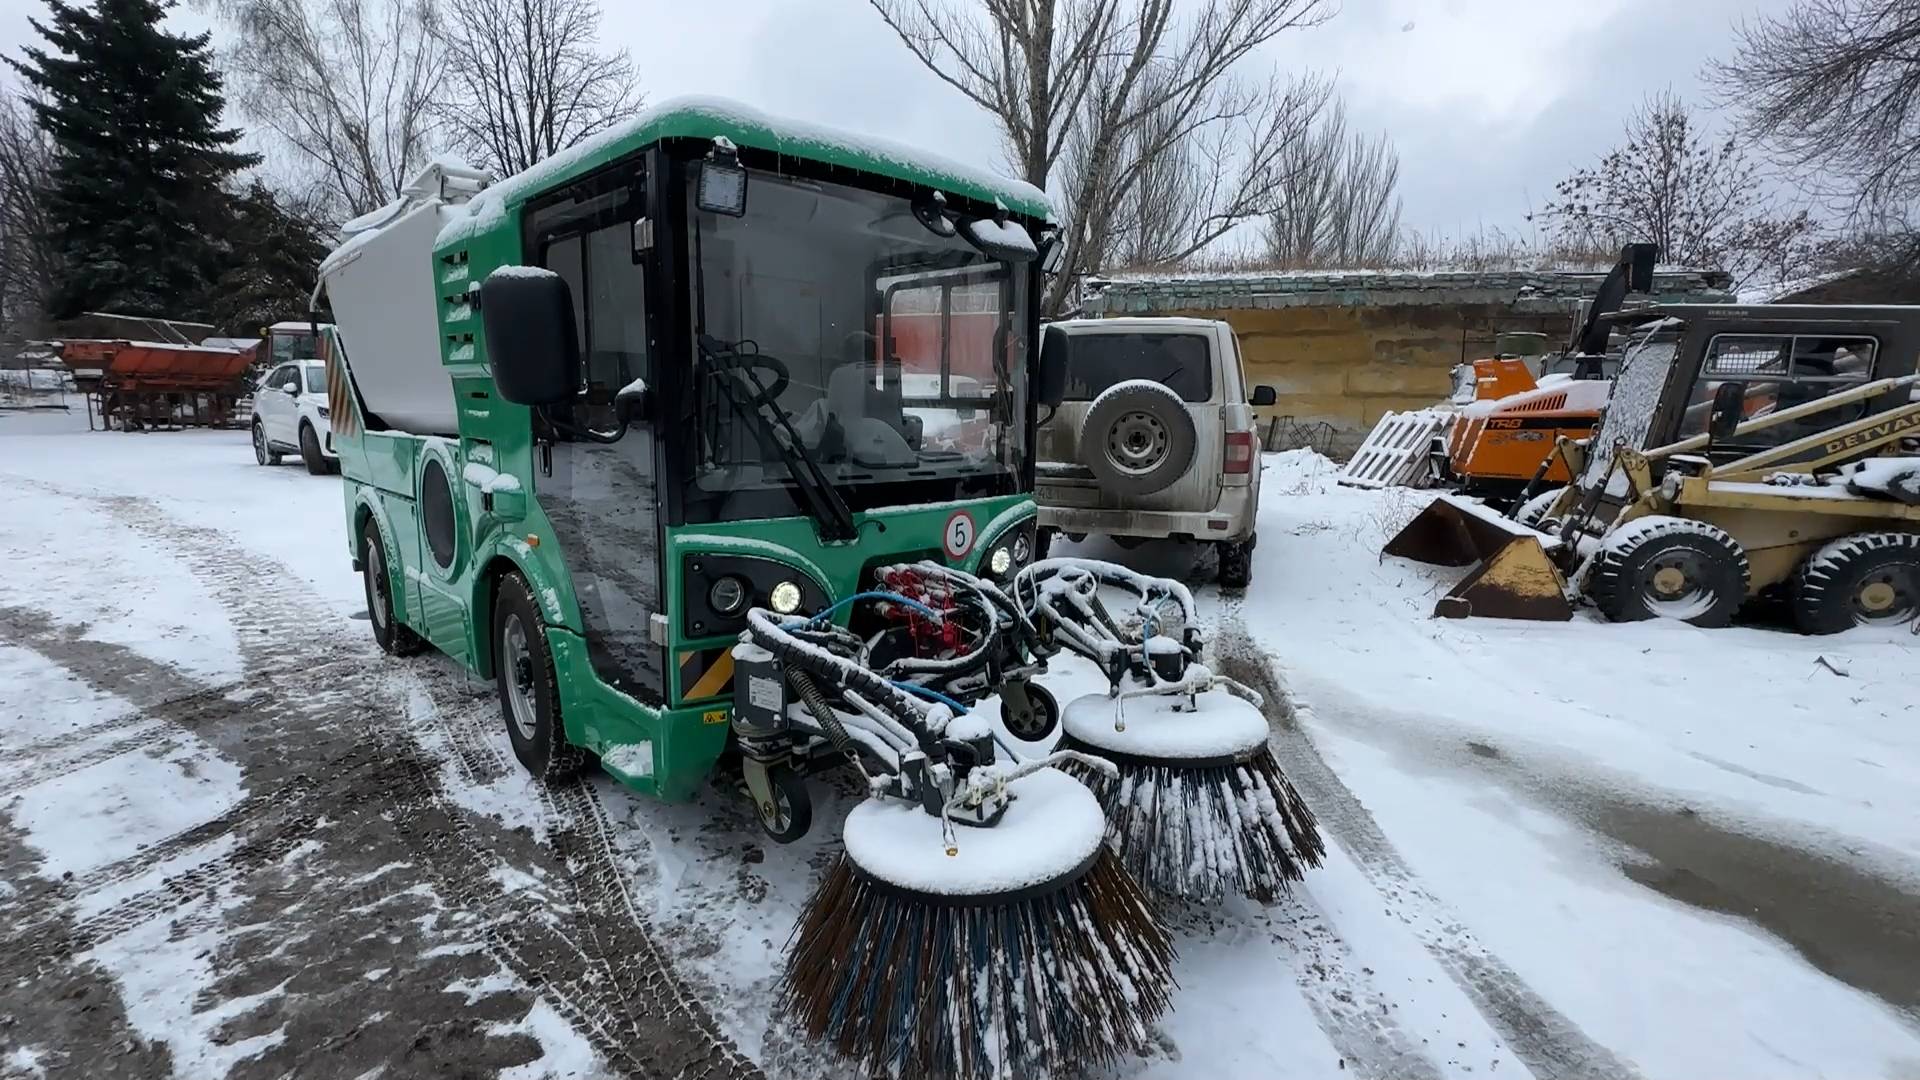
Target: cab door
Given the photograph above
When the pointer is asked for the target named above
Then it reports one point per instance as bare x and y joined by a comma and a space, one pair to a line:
600, 491
1779, 371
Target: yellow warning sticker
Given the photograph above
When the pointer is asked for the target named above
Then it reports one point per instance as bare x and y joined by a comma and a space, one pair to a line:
714, 716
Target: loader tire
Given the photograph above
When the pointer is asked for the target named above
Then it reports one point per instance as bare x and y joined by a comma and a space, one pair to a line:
1670, 568
1867, 579
1138, 440
1533, 512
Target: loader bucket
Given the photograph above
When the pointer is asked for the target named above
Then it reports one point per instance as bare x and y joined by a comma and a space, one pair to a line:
1512, 576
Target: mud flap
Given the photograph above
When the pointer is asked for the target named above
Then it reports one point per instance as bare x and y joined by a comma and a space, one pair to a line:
1512, 576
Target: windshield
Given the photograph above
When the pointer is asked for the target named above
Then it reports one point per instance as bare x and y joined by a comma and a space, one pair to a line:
886, 353
290, 345
316, 379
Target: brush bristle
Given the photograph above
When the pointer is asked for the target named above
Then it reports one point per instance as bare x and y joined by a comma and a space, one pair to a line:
916, 986
1200, 832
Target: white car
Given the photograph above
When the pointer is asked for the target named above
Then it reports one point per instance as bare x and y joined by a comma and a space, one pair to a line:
290, 417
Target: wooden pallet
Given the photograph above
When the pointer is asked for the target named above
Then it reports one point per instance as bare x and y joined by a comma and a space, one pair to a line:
1395, 452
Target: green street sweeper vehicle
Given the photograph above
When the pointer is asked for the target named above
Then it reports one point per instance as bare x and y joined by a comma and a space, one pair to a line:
591, 415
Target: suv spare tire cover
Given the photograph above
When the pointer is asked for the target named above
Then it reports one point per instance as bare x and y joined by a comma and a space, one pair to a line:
1138, 438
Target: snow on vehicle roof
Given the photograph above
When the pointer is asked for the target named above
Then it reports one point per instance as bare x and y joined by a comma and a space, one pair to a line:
711, 117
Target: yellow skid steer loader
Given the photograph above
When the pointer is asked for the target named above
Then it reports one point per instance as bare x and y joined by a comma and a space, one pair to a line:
1746, 450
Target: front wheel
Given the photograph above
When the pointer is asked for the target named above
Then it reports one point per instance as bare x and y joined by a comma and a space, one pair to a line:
310, 455
529, 691
1035, 722
790, 813
1670, 568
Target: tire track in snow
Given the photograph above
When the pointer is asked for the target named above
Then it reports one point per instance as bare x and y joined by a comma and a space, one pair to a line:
1552, 1046
599, 963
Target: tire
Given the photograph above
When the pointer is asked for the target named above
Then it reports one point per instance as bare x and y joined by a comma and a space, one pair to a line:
1045, 719
1236, 563
262, 453
1867, 579
389, 632
528, 689
1635, 575
1534, 511
310, 455
1138, 439
793, 814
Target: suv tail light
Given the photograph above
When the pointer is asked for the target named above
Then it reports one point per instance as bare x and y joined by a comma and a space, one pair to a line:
1239, 452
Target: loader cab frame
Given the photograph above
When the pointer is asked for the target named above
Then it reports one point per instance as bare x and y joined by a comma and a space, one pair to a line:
1781, 356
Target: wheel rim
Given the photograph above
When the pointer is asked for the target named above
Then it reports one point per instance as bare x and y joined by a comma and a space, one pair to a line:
1137, 441
517, 655
1674, 587
260, 444
377, 587
1887, 597
779, 812
1030, 724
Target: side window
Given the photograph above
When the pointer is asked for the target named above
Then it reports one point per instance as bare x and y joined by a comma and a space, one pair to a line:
1778, 372
616, 339
281, 377
563, 257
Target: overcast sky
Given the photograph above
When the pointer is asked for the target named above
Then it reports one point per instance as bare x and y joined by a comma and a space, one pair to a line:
1488, 101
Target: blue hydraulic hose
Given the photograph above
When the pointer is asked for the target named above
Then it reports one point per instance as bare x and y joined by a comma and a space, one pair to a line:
932, 695
895, 597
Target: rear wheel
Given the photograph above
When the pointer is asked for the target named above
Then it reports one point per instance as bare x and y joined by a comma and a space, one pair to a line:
1868, 579
262, 452
388, 632
529, 691
1670, 568
1236, 563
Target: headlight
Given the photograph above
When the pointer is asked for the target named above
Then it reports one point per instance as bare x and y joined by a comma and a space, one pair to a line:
1021, 548
322, 410
785, 598
727, 596
1000, 561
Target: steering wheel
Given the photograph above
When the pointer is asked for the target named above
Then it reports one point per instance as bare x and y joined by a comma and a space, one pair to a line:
724, 356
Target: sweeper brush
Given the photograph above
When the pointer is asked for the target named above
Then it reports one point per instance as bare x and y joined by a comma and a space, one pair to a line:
1196, 804
977, 924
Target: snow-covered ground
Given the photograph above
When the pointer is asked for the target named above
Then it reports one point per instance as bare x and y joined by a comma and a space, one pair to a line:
234, 837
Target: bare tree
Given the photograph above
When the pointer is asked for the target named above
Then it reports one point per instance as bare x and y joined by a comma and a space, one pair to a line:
528, 80
1832, 87
1704, 202
29, 257
350, 86
1339, 203
1119, 84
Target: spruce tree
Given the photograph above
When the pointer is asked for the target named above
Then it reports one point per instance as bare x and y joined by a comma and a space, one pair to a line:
272, 256
139, 192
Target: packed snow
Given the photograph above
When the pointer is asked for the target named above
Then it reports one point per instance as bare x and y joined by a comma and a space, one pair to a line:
1572, 850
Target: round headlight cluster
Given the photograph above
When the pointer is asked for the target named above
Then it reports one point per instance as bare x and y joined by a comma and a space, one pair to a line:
1000, 561
1022, 548
728, 596
785, 598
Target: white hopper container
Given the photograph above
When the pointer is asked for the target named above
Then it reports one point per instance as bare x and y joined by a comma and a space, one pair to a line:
381, 284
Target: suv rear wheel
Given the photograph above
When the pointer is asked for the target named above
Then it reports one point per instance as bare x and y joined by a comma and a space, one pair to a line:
263, 452
1236, 563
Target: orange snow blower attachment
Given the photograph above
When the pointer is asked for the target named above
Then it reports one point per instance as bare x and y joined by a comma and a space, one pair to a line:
1515, 578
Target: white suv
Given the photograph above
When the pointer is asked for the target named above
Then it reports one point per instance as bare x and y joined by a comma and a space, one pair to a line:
290, 417
1154, 438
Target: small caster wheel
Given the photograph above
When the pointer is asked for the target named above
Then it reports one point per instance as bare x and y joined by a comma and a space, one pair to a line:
1035, 722
789, 814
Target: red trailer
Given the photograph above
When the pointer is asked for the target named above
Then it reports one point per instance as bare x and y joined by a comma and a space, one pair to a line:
145, 385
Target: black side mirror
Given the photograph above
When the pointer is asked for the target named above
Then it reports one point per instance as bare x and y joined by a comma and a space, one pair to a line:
531, 341
1050, 388
1263, 396
1729, 409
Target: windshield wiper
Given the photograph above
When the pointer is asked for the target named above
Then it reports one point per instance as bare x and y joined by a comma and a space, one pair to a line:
822, 499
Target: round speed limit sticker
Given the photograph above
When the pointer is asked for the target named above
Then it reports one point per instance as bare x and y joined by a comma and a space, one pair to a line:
959, 535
